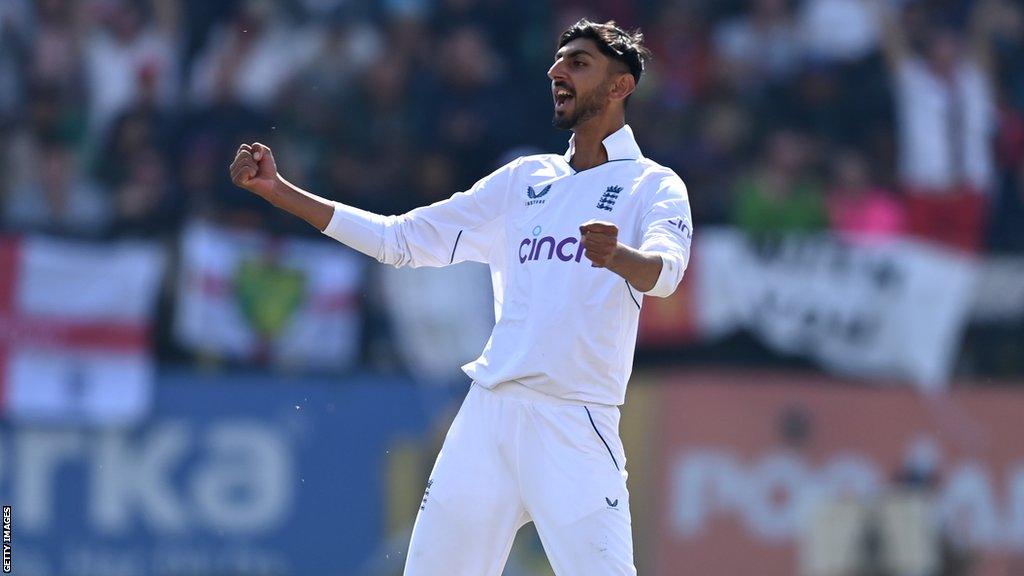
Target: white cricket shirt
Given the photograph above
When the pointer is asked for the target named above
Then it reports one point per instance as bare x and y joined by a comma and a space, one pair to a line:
562, 327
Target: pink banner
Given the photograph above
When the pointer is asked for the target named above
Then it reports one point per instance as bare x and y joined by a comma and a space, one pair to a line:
748, 458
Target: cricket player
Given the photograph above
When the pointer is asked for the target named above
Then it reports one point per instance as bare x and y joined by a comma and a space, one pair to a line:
574, 242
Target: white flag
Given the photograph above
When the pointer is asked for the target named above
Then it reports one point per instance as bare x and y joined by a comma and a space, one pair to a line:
75, 323
253, 297
894, 310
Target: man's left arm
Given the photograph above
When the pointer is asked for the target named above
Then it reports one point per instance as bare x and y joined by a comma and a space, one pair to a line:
657, 267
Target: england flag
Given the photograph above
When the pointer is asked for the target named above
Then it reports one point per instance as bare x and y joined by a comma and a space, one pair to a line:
75, 323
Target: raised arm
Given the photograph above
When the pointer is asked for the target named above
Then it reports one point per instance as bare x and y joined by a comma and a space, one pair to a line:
463, 227
255, 170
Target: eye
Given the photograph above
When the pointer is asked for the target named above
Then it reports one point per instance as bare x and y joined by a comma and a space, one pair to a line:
578, 64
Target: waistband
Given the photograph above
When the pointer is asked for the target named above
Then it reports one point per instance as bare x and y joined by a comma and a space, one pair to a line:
519, 391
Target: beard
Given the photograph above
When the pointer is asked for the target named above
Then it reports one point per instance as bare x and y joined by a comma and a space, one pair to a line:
587, 106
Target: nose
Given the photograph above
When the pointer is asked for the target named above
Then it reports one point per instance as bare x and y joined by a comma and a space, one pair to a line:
557, 71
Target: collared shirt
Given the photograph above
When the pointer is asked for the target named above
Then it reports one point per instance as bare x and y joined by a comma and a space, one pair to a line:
562, 327
620, 145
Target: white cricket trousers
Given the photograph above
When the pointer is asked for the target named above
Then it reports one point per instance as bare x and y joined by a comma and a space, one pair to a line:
515, 455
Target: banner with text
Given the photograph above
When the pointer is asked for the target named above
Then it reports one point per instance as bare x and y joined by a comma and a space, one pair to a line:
895, 310
749, 459
259, 475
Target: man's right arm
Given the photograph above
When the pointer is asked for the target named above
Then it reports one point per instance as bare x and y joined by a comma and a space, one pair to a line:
453, 230
255, 170
310, 207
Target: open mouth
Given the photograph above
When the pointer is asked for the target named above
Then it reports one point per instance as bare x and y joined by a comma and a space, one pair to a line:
562, 97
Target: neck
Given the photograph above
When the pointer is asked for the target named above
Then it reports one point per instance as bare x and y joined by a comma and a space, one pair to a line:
588, 147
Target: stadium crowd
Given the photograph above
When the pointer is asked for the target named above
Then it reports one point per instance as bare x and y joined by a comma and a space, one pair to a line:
870, 118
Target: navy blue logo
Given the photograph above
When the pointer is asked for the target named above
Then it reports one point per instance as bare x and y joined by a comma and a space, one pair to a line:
426, 494
609, 197
534, 196
611, 503
683, 228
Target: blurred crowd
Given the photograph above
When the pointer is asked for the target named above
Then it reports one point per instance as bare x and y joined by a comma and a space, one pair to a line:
867, 117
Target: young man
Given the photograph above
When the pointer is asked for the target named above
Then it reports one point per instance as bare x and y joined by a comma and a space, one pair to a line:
537, 436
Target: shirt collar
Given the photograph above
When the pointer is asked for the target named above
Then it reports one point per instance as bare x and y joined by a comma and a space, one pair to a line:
620, 145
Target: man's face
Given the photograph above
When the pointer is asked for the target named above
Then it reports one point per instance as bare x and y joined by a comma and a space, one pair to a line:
581, 81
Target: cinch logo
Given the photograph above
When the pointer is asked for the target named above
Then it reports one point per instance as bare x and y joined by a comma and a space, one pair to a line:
547, 248
681, 225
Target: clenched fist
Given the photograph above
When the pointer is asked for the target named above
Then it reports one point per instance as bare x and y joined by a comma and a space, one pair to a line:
600, 242
254, 169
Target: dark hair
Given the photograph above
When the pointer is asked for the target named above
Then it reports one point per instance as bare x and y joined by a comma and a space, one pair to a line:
613, 42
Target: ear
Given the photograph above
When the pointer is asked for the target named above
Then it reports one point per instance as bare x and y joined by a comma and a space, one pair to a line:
623, 86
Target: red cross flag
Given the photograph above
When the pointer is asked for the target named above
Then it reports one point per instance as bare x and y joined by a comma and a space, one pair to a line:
255, 298
75, 322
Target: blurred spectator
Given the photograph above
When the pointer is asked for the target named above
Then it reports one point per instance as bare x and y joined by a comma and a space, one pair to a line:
45, 187
380, 110
759, 48
55, 59
713, 157
345, 50
1008, 42
49, 192
144, 204
450, 14
434, 178
13, 16
946, 119
131, 51
837, 30
780, 195
1008, 222
136, 130
318, 10
315, 114
370, 150
198, 176
683, 73
250, 59
817, 95
50, 115
208, 139
370, 179
132, 165
1008, 204
406, 33
467, 108
857, 207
